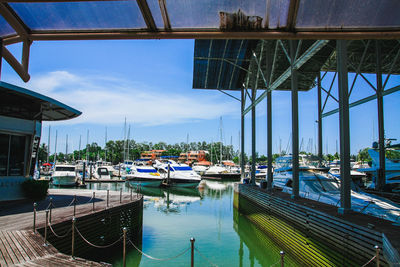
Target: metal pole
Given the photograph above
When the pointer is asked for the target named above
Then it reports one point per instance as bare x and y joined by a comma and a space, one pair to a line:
94, 196
253, 136
344, 126
377, 249
120, 195
51, 207
319, 118
74, 205
270, 177
73, 237
108, 197
45, 229
84, 172
381, 126
192, 251
168, 173
295, 122
124, 248
242, 161
34, 217
282, 258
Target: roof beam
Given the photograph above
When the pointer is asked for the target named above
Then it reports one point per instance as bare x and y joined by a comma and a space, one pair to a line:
13, 19
146, 13
19, 69
364, 100
164, 14
292, 14
123, 34
310, 52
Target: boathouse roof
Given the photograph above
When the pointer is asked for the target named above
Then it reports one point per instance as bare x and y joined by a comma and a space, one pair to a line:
22, 103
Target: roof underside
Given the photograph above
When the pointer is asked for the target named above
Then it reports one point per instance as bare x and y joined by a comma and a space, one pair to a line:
25, 104
91, 19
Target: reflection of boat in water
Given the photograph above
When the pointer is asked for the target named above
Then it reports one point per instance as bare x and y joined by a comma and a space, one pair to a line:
146, 191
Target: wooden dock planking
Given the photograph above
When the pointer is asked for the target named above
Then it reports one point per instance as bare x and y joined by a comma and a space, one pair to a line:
20, 246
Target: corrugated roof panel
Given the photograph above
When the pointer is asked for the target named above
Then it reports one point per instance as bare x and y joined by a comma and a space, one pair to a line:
5, 28
80, 15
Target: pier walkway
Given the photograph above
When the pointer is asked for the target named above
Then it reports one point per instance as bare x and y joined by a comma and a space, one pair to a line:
21, 246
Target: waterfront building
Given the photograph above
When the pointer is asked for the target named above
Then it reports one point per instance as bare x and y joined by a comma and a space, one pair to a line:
22, 112
152, 154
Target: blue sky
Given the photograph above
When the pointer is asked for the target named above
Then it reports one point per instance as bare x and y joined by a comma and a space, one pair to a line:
150, 83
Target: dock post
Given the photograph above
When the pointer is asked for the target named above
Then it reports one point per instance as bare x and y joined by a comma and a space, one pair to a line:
34, 217
192, 251
377, 256
94, 196
51, 207
45, 229
73, 237
282, 258
74, 204
120, 196
124, 248
108, 197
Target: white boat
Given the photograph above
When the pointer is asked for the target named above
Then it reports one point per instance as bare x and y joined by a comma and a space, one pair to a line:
221, 172
144, 176
101, 173
179, 175
199, 168
64, 175
316, 184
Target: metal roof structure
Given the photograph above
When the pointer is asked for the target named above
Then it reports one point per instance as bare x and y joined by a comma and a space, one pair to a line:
33, 20
22, 103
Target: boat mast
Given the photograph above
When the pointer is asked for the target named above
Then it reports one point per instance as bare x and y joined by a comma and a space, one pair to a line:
87, 146
48, 146
105, 147
66, 147
124, 140
79, 151
129, 134
55, 150
220, 145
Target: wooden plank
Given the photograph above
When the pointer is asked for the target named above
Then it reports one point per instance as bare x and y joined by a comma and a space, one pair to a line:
8, 248
16, 247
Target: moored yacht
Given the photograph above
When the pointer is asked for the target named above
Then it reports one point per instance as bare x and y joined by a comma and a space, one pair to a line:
144, 176
178, 174
317, 184
221, 172
64, 175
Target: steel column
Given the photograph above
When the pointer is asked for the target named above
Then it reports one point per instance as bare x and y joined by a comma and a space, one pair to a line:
268, 64
242, 163
1, 54
295, 122
345, 189
319, 118
380, 182
253, 136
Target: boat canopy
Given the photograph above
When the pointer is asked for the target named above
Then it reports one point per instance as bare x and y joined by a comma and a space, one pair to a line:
22, 103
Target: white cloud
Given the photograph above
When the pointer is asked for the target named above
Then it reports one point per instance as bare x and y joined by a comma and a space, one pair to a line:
107, 100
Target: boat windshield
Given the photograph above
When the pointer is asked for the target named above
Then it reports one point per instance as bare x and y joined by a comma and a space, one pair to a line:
102, 171
65, 169
182, 168
319, 183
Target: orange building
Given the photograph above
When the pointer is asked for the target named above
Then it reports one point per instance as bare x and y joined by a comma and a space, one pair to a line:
152, 154
193, 156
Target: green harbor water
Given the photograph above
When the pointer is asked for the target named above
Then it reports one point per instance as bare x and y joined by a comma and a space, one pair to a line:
223, 236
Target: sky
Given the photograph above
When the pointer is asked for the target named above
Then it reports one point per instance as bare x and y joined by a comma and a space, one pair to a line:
149, 82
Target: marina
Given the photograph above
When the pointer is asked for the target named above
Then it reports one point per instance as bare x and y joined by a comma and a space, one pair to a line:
291, 70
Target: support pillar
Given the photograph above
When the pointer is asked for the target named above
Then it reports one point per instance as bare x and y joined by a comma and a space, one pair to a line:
268, 64
1, 54
253, 137
344, 127
295, 123
381, 179
320, 154
242, 161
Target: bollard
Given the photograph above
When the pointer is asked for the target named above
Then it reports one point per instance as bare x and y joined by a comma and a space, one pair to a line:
45, 229
282, 258
34, 217
74, 204
108, 197
94, 196
192, 251
73, 237
120, 195
131, 194
51, 207
124, 248
377, 255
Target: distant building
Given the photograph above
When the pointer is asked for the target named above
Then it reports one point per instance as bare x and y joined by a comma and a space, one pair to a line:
152, 154
21, 114
193, 156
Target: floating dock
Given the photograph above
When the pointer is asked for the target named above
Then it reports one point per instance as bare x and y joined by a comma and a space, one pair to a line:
21, 245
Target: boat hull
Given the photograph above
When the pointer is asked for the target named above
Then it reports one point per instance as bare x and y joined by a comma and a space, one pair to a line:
222, 176
64, 180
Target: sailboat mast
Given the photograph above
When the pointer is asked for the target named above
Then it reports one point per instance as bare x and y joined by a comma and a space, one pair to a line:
79, 151
55, 150
105, 146
125, 140
48, 146
87, 146
66, 147
220, 145
129, 135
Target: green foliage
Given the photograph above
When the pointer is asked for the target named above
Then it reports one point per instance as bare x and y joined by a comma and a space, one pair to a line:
363, 155
393, 154
35, 189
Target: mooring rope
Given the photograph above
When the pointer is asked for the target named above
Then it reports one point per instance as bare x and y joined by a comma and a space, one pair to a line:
71, 202
96, 246
158, 259
369, 261
204, 257
59, 236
